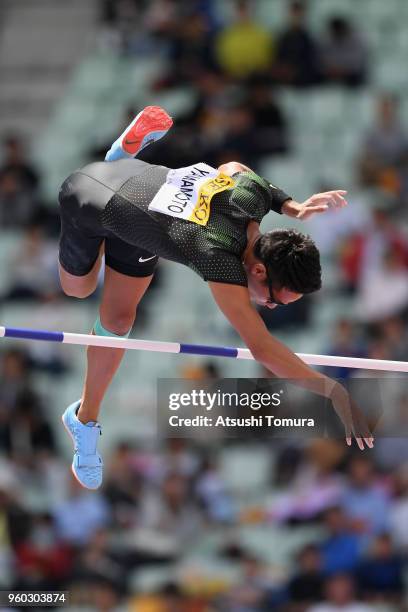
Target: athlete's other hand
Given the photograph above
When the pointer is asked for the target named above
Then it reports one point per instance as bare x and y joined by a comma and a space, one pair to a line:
316, 204
352, 418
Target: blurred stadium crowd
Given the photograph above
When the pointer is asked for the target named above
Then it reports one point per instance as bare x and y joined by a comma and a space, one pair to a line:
302, 527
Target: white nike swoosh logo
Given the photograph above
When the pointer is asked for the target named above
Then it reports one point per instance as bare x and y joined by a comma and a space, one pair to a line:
142, 259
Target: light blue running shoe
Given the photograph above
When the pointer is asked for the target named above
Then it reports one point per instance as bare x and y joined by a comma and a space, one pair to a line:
87, 465
149, 125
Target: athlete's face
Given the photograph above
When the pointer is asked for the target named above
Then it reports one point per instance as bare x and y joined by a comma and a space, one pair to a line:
259, 289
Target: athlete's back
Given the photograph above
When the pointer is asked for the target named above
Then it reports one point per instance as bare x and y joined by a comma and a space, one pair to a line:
116, 198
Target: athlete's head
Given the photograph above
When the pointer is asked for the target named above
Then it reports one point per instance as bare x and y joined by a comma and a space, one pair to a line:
284, 265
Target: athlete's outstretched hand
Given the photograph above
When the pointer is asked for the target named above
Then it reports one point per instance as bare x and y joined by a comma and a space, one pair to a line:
352, 418
316, 204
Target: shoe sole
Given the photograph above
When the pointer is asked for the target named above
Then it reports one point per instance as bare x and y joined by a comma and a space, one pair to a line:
153, 120
72, 467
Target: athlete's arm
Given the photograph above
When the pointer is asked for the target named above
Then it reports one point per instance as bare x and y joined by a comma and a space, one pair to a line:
316, 204
234, 302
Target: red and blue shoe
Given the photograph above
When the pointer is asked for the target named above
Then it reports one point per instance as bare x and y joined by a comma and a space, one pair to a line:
148, 126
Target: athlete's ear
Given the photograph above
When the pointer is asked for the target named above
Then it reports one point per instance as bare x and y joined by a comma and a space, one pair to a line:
258, 271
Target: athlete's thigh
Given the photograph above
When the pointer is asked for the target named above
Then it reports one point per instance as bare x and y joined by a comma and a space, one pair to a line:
129, 259
81, 243
121, 294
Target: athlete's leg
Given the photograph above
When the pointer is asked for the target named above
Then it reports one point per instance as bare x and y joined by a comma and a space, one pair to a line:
83, 198
121, 295
81, 247
81, 286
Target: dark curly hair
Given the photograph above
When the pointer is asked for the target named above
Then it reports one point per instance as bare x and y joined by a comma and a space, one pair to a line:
292, 260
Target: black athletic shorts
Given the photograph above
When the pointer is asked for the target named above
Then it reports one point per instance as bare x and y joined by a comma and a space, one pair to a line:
83, 197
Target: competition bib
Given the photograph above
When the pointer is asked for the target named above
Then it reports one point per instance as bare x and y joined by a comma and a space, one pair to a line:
187, 192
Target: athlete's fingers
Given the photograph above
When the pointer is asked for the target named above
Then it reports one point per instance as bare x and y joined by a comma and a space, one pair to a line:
334, 191
321, 199
311, 210
336, 197
369, 442
360, 442
335, 200
339, 200
339, 191
318, 208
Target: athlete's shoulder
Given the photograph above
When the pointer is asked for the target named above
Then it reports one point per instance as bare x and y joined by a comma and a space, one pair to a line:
254, 182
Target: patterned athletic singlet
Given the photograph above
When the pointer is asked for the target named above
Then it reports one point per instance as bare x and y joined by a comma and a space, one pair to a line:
213, 250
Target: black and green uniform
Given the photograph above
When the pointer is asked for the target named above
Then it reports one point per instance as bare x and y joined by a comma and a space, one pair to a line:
109, 201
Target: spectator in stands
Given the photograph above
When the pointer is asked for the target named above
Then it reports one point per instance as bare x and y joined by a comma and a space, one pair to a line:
399, 510
244, 47
97, 562
14, 518
16, 205
27, 432
186, 31
250, 591
103, 595
169, 514
33, 272
380, 574
340, 597
18, 186
92, 509
178, 455
212, 493
384, 146
124, 18
341, 548
237, 140
346, 342
297, 60
365, 502
270, 125
374, 263
161, 18
306, 585
343, 54
192, 46
170, 598
123, 486
43, 561
315, 486
395, 332
14, 377
391, 450
384, 290
15, 162
350, 256
199, 128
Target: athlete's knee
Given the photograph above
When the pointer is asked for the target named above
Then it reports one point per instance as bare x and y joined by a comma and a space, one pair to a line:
78, 292
119, 322
76, 287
